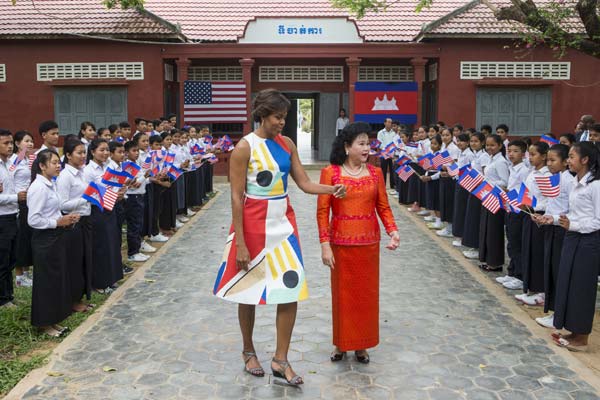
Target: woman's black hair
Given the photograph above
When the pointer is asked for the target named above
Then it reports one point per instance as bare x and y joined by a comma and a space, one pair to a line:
112, 146
480, 136
166, 134
471, 131
541, 147
20, 135
155, 138
463, 137
521, 145
69, 147
434, 127
346, 137
70, 137
504, 127
438, 138
527, 141
496, 138
589, 150
84, 126
136, 138
43, 157
268, 102
570, 137
100, 130
561, 150
459, 126
92, 147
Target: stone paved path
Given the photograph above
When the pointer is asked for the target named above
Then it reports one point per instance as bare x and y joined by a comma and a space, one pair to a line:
443, 336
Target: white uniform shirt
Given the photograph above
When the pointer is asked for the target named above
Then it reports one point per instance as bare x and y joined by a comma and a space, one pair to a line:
43, 203
70, 185
8, 197
44, 147
559, 205
112, 164
518, 174
480, 160
533, 187
141, 178
385, 137
497, 171
93, 172
452, 149
21, 175
341, 123
465, 157
584, 213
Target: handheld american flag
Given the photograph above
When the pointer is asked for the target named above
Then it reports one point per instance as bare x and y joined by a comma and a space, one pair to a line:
470, 180
31, 159
110, 198
404, 172
513, 200
453, 169
214, 102
549, 185
425, 161
441, 159
147, 164
492, 200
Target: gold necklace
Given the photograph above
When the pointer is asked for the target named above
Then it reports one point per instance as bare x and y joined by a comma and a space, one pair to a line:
353, 173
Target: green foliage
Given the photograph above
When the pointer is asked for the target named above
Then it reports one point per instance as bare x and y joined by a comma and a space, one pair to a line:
124, 4
361, 7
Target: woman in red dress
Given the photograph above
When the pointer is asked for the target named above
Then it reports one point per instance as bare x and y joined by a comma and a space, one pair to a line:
350, 241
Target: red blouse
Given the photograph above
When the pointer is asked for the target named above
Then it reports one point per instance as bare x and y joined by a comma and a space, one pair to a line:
354, 218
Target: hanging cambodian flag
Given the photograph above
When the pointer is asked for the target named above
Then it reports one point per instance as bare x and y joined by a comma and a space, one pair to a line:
549, 185
95, 195
482, 190
376, 101
174, 172
404, 172
526, 198
549, 140
131, 168
114, 178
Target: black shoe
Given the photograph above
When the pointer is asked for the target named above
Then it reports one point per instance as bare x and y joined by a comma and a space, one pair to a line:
337, 356
127, 270
362, 359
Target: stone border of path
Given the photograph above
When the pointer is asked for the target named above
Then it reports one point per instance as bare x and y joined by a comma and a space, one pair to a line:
37, 375
517, 312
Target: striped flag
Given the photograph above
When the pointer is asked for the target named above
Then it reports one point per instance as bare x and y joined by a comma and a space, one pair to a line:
453, 170
549, 140
403, 160
114, 178
388, 151
425, 161
482, 190
404, 172
470, 180
526, 198
492, 201
513, 200
110, 198
31, 159
94, 194
549, 185
214, 102
441, 159
464, 169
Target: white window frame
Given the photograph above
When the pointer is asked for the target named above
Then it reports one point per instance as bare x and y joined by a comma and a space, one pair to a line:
105, 70
2, 72
301, 73
515, 69
217, 73
386, 73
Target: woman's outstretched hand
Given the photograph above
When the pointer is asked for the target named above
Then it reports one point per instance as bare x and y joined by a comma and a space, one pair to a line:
327, 255
394, 241
339, 191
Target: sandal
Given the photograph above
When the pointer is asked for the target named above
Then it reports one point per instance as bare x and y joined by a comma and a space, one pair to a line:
562, 342
280, 373
257, 371
50, 331
362, 359
337, 355
488, 268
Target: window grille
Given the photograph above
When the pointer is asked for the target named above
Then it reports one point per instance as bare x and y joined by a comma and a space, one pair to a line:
129, 71
2, 72
399, 73
541, 70
215, 74
291, 73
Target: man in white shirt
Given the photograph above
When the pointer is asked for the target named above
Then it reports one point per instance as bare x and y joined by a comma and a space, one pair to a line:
385, 137
49, 133
586, 123
9, 208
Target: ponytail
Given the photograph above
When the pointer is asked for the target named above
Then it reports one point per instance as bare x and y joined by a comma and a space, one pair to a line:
43, 157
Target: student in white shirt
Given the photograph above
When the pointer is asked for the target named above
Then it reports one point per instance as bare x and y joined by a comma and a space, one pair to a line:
432, 188
576, 290
117, 156
416, 187
385, 137
470, 236
447, 184
49, 133
553, 233
106, 252
491, 234
22, 179
51, 298
533, 235
168, 214
87, 133
182, 163
191, 175
341, 122
71, 186
461, 196
9, 207
502, 131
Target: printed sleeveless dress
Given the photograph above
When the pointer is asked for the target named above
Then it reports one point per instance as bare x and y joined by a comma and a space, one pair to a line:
276, 272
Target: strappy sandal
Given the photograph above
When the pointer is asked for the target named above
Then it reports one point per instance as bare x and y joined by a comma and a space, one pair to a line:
337, 356
362, 359
257, 371
571, 347
280, 373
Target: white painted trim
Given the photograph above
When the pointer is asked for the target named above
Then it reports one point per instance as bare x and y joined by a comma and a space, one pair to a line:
107, 70
385, 73
219, 73
301, 73
515, 69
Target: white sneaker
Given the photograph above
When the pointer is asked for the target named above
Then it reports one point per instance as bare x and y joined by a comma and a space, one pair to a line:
547, 321
514, 284
146, 248
23, 281
521, 296
535, 300
159, 238
429, 218
423, 213
471, 254
505, 278
182, 218
444, 233
435, 225
392, 192
139, 257
190, 212
457, 243
178, 224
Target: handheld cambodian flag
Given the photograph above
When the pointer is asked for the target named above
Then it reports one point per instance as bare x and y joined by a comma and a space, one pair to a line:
425, 161
174, 172
403, 160
375, 144
464, 169
197, 150
549, 140
412, 145
376, 101
549, 185
482, 190
470, 180
131, 168
114, 178
404, 172
492, 200
388, 151
513, 201
526, 198
95, 195
20, 157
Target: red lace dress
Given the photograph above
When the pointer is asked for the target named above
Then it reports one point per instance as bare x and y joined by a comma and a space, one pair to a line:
351, 226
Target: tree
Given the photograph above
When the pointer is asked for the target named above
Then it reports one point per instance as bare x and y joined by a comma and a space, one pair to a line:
558, 24
125, 4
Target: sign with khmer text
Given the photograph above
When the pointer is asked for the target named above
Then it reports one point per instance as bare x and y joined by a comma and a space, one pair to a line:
301, 31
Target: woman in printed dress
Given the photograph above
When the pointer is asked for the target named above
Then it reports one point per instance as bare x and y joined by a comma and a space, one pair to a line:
262, 262
350, 241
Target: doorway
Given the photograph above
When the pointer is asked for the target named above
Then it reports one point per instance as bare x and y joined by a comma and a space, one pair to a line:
301, 125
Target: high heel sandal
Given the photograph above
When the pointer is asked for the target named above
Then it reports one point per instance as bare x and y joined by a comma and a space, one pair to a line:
257, 371
280, 373
337, 355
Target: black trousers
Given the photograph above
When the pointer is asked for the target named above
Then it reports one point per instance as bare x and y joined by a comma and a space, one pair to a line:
157, 203
491, 237
24, 256
553, 243
8, 236
134, 214
514, 228
387, 164
532, 256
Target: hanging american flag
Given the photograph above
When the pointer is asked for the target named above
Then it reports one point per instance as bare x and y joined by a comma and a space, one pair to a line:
214, 102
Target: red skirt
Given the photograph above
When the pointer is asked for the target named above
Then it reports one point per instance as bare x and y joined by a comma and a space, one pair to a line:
355, 297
